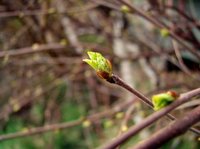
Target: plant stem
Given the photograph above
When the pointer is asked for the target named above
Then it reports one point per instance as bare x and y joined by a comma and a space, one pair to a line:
120, 82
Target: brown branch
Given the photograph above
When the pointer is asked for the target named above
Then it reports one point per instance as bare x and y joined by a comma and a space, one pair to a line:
175, 129
151, 119
160, 25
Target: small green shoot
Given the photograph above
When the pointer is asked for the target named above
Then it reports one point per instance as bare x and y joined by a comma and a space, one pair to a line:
162, 100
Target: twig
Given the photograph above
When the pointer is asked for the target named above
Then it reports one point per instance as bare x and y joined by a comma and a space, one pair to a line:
121, 83
175, 129
152, 118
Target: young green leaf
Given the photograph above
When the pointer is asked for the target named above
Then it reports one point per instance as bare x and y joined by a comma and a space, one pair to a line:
100, 64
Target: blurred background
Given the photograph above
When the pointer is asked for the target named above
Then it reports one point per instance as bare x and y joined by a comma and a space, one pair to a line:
44, 82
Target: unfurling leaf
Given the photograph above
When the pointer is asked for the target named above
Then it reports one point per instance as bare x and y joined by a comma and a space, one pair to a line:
162, 100
100, 64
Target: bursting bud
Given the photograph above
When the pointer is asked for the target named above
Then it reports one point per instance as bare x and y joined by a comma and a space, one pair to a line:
162, 100
100, 64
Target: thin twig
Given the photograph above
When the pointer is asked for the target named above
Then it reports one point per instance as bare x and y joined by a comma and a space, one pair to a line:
121, 83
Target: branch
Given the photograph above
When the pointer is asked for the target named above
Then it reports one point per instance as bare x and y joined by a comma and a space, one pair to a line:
151, 119
175, 129
121, 83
